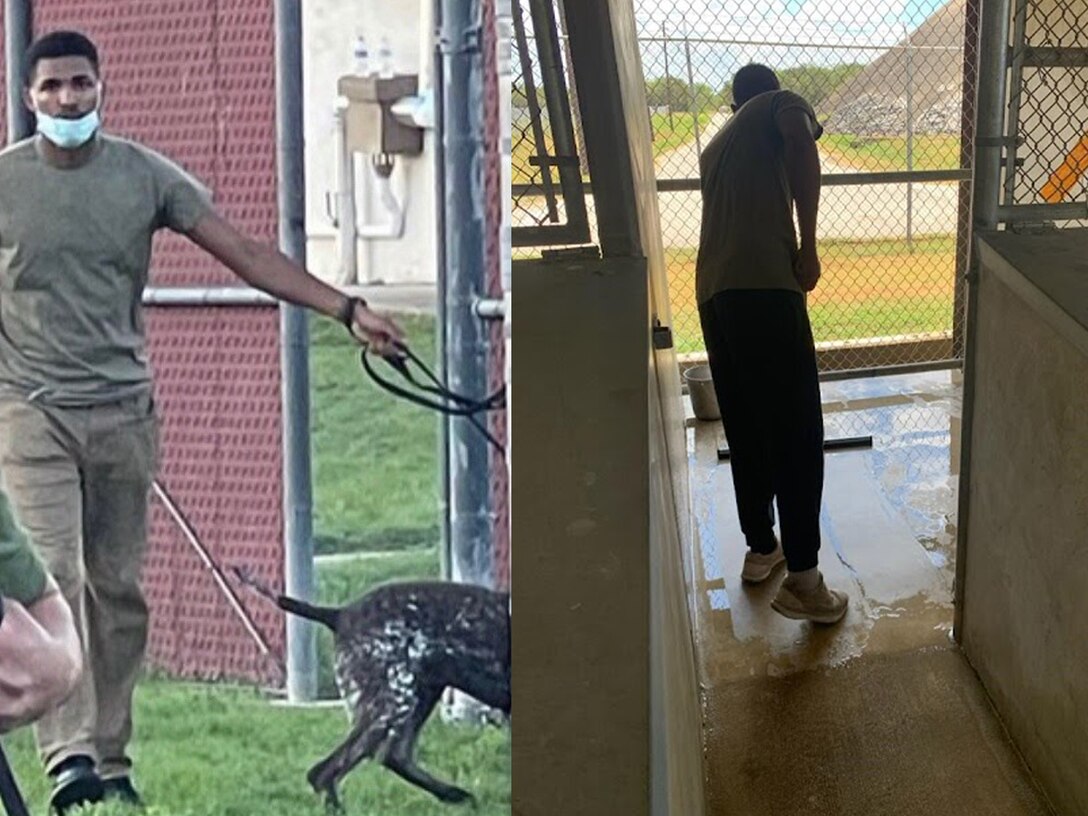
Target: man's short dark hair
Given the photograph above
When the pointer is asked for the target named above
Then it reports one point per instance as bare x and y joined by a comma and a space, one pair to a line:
752, 80
58, 44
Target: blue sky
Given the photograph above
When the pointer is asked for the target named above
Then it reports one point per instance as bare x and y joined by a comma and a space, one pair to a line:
918, 9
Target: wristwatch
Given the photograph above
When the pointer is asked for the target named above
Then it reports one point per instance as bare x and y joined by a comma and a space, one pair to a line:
347, 309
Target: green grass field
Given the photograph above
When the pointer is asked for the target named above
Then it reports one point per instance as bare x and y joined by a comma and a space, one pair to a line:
225, 751
929, 151
868, 289
681, 131
374, 456
666, 138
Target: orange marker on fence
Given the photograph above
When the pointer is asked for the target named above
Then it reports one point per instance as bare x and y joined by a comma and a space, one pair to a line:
1061, 181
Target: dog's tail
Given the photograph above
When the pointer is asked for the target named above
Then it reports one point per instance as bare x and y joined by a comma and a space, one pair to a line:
322, 614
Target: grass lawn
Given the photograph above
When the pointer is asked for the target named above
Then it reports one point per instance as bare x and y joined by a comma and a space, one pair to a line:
679, 133
666, 138
868, 289
375, 456
931, 151
225, 751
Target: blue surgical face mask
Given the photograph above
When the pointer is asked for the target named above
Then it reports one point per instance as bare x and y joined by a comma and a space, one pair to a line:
68, 133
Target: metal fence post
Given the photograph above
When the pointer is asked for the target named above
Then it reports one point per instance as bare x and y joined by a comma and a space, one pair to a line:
294, 351
691, 91
470, 521
668, 77
989, 136
910, 142
471, 556
18, 33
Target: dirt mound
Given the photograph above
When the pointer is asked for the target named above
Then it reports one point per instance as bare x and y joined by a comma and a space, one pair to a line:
875, 101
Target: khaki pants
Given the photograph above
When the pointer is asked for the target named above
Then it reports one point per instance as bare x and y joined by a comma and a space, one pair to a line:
79, 480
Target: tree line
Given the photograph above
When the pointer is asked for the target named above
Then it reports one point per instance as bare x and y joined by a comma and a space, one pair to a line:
814, 82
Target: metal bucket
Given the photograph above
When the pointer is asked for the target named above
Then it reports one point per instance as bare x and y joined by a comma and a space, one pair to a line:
704, 402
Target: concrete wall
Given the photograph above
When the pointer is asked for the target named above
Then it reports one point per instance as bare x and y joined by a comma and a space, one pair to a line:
1026, 604
330, 27
581, 575
608, 706
676, 738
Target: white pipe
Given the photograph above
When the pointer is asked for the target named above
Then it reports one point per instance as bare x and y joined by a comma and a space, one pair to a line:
392, 229
490, 308
349, 229
347, 248
206, 296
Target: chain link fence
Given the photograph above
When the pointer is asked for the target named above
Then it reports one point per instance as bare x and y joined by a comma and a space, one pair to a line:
1047, 154
893, 85
549, 198
887, 83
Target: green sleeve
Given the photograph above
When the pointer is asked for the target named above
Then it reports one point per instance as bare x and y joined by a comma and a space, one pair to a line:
22, 574
182, 199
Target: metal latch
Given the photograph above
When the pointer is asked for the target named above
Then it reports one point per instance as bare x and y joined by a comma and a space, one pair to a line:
662, 336
1032, 227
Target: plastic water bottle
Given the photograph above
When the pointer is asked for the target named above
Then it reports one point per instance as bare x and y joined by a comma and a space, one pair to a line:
385, 59
362, 57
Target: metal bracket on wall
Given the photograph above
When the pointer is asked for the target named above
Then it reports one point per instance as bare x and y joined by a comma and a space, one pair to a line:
846, 443
662, 336
1032, 227
590, 252
999, 141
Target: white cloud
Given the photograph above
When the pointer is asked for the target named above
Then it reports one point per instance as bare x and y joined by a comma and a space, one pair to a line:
725, 34
831, 23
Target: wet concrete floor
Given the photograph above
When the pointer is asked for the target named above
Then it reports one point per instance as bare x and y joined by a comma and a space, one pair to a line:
880, 714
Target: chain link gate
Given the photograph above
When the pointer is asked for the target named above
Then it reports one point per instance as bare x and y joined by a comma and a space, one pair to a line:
549, 201
1046, 146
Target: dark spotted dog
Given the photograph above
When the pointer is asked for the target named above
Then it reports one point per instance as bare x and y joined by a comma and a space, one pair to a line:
396, 650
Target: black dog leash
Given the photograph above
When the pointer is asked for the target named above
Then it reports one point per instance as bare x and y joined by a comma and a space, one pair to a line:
13, 801
449, 402
440, 398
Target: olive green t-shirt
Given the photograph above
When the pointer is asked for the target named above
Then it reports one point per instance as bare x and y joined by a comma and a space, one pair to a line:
22, 575
75, 246
747, 238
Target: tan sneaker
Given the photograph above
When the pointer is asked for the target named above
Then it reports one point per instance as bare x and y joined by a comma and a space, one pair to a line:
759, 566
819, 605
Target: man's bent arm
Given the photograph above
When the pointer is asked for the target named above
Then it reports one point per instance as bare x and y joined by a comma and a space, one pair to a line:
803, 171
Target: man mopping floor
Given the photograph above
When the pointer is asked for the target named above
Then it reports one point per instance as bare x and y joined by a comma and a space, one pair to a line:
751, 277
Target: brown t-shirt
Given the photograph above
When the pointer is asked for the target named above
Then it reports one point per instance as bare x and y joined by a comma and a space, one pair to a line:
747, 239
75, 246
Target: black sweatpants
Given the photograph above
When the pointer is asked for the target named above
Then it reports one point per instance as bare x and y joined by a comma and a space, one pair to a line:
763, 360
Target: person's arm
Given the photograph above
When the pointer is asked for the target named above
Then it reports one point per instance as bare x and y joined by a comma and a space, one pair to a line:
269, 270
40, 657
803, 172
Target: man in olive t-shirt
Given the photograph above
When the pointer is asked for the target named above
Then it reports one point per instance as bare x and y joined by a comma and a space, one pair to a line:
78, 430
750, 280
